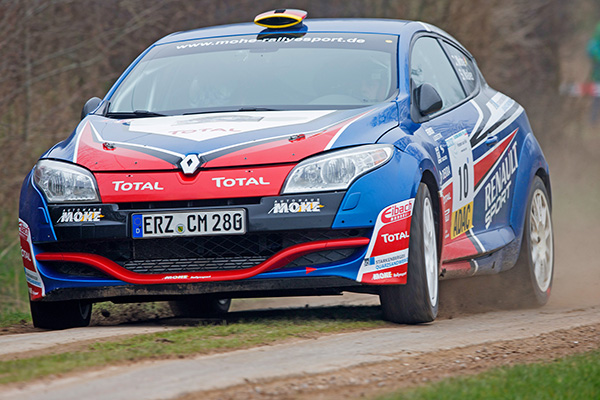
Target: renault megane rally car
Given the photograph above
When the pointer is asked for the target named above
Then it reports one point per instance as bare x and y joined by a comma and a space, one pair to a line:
289, 157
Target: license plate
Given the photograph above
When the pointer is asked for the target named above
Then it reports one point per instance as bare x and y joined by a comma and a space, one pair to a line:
189, 223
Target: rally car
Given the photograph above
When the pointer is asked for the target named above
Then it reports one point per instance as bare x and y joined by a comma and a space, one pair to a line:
289, 157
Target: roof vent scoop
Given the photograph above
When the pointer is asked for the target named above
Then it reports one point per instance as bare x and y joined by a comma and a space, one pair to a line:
283, 18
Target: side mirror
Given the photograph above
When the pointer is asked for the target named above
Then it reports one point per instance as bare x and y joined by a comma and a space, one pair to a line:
427, 99
90, 106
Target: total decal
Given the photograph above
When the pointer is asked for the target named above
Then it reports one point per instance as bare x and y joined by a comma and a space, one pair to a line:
386, 260
32, 275
223, 181
136, 186
209, 184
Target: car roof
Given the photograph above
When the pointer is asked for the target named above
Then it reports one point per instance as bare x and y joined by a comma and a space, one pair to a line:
348, 25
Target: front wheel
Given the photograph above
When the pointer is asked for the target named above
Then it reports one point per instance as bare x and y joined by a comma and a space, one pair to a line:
417, 301
60, 314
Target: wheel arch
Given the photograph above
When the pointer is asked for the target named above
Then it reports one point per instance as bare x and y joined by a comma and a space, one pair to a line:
428, 174
429, 179
545, 177
531, 164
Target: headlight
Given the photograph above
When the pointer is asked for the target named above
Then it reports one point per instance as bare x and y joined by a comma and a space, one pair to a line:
62, 182
336, 170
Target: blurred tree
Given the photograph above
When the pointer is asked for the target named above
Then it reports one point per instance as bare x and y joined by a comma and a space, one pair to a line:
55, 54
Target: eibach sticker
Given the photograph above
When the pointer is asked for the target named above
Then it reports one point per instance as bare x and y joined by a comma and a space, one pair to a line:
386, 260
32, 275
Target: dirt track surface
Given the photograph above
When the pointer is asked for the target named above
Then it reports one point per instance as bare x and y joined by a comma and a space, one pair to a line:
371, 380
394, 346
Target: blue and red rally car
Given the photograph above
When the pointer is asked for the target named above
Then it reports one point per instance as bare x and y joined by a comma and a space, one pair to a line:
289, 157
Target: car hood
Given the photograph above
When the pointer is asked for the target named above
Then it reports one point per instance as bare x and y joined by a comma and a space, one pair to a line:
218, 140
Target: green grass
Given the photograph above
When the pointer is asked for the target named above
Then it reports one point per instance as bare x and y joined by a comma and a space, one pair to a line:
13, 288
239, 331
14, 298
9, 318
574, 377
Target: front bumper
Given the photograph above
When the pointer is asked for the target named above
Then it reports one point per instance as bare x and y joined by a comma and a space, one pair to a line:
94, 245
95, 249
306, 286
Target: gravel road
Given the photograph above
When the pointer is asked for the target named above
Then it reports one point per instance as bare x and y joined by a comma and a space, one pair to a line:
173, 378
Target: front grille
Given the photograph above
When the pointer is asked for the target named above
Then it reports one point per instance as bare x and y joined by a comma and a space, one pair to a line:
210, 253
176, 265
187, 204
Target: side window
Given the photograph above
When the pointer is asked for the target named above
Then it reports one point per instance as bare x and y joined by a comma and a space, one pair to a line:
429, 64
464, 67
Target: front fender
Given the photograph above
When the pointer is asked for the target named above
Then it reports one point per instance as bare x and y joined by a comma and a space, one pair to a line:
531, 160
396, 181
34, 211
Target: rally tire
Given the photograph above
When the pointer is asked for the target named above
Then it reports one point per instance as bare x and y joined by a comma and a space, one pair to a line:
60, 314
417, 301
529, 282
200, 306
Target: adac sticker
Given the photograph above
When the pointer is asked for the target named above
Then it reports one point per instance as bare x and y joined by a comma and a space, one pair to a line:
386, 260
461, 163
34, 280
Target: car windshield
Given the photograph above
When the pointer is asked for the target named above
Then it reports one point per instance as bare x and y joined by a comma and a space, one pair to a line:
312, 71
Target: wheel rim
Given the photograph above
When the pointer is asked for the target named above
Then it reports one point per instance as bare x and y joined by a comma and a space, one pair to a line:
430, 251
540, 234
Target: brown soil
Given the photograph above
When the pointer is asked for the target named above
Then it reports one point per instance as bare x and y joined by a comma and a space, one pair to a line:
414, 370
21, 327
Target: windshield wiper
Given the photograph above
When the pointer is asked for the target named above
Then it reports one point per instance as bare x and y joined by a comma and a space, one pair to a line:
147, 113
134, 114
256, 109
230, 110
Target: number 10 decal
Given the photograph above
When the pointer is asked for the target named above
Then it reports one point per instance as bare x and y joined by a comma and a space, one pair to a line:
461, 163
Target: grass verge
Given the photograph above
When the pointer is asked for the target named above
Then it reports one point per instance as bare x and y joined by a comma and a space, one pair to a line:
573, 377
13, 288
235, 333
10, 318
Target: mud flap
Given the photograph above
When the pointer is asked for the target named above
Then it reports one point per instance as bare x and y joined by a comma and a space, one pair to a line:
34, 280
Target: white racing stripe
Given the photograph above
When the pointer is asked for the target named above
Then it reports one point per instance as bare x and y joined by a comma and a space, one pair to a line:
212, 126
141, 146
479, 119
504, 125
337, 135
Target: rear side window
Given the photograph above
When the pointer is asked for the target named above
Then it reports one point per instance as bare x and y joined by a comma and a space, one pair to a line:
465, 68
429, 64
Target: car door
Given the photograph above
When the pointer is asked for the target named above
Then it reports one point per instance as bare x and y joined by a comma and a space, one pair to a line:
449, 131
495, 144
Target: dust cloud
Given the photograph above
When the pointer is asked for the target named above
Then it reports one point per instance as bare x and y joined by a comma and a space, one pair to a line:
575, 169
